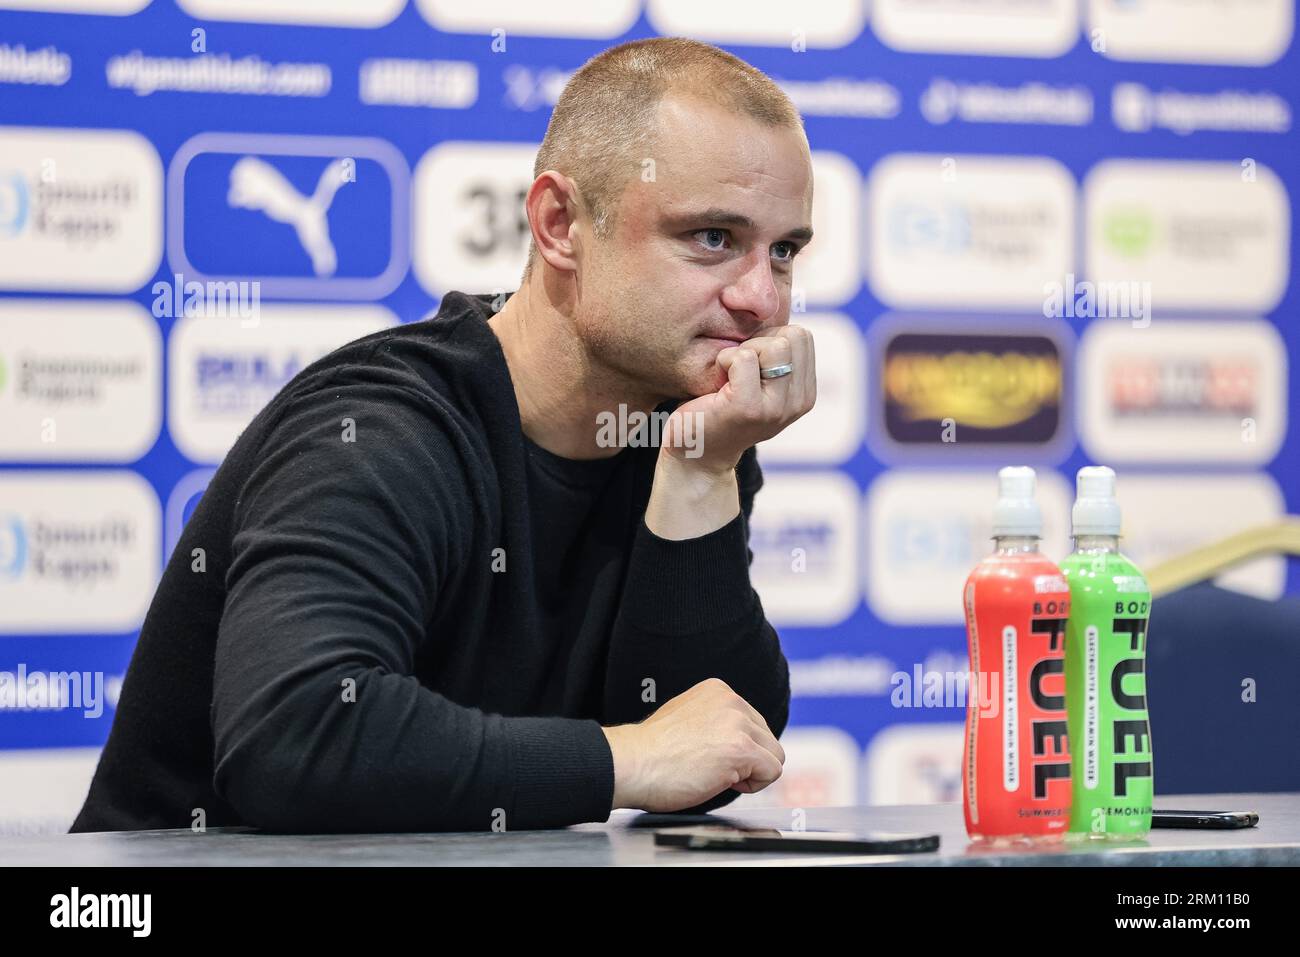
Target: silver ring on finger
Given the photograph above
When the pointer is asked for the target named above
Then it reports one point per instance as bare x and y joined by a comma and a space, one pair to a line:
776, 372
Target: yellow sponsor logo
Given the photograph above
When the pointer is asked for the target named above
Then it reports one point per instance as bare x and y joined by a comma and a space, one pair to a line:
987, 390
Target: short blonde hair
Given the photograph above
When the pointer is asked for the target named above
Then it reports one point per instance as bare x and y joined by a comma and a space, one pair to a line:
603, 125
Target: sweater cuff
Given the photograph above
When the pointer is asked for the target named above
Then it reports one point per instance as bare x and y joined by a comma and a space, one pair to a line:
689, 586
562, 770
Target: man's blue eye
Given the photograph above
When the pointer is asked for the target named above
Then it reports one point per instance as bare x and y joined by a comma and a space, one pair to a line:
722, 232
793, 249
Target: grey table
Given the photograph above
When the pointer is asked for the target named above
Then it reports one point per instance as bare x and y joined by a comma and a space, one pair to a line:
1274, 841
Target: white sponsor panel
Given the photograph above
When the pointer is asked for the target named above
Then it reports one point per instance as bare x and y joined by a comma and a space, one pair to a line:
79, 551
471, 227
223, 373
804, 538
827, 271
556, 18
44, 789
832, 432
820, 770
1167, 515
927, 529
968, 232
914, 764
1031, 28
1183, 391
1206, 236
79, 381
332, 13
1242, 32
827, 23
80, 210
110, 8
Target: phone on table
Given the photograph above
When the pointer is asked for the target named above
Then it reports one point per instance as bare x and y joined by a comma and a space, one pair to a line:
804, 842
1204, 819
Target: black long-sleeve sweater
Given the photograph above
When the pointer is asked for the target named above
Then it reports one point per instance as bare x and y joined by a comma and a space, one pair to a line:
390, 611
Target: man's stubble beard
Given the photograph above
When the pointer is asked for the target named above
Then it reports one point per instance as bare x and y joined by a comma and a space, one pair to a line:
633, 361
633, 343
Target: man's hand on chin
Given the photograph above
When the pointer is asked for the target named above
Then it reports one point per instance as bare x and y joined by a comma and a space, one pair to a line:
695, 489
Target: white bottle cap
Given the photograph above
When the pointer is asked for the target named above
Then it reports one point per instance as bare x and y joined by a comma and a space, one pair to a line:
1096, 512
1017, 512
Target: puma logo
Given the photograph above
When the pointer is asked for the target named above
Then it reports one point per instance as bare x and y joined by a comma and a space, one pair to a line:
256, 184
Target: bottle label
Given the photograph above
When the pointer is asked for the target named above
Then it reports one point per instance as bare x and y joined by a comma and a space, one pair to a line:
1010, 714
1017, 763
1132, 735
1051, 757
1106, 687
1091, 706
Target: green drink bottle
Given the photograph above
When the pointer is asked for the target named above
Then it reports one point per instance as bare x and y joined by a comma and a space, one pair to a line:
1105, 672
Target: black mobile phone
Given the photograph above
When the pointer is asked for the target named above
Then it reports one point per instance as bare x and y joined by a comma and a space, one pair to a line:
653, 820
1208, 819
804, 842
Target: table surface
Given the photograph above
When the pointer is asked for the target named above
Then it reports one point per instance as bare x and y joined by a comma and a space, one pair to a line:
1274, 841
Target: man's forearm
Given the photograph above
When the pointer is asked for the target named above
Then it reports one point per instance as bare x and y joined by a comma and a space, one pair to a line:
689, 613
688, 500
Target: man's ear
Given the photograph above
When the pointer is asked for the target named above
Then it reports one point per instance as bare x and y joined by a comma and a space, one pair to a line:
554, 208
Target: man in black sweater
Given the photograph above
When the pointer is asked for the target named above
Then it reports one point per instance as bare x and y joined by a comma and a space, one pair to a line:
433, 587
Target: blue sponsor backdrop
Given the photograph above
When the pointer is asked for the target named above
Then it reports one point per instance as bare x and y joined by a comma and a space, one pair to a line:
234, 206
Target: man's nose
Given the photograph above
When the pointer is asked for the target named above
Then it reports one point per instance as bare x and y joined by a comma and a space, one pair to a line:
754, 290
